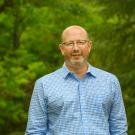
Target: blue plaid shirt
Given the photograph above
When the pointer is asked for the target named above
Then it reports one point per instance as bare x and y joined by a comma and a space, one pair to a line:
63, 104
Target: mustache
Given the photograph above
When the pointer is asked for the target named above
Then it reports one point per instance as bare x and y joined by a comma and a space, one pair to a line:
76, 54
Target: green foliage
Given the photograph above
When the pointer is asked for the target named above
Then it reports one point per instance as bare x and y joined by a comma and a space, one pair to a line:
29, 38
117, 49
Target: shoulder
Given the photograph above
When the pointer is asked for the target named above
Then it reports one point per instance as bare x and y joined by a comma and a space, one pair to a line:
105, 75
51, 77
107, 79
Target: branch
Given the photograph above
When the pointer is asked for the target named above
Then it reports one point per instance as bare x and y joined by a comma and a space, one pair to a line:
7, 3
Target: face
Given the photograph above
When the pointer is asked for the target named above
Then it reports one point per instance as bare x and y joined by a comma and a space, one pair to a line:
75, 47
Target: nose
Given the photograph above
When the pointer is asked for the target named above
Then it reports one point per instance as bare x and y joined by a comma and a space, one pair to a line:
75, 46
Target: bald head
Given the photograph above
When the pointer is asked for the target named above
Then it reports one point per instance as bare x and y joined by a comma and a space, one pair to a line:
72, 31
75, 46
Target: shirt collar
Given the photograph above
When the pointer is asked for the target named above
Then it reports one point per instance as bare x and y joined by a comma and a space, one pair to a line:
91, 71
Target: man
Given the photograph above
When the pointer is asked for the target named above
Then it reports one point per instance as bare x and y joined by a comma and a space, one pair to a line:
77, 99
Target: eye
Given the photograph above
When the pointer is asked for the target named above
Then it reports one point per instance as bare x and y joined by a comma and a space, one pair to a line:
81, 42
69, 44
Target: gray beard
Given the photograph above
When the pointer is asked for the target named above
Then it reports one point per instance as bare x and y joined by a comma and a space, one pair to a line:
76, 63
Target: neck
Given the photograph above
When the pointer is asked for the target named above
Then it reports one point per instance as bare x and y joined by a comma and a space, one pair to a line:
79, 69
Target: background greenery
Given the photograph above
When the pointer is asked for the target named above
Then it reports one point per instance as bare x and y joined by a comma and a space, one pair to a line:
29, 37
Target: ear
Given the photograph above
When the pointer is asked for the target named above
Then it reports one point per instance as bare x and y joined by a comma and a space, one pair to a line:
90, 45
61, 49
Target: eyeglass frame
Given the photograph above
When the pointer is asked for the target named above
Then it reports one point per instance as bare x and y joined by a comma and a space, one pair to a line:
75, 42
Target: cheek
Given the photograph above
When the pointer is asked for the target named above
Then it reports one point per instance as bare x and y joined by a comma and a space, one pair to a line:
67, 52
86, 51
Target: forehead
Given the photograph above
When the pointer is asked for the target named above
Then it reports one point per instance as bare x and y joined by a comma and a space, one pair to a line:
74, 34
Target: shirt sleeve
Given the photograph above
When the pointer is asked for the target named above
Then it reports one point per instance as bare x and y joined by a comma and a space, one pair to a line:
117, 118
37, 117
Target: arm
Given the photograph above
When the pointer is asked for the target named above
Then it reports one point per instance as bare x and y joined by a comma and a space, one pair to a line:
117, 118
37, 118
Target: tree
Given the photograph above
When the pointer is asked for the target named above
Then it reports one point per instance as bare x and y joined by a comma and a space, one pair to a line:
117, 49
30, 34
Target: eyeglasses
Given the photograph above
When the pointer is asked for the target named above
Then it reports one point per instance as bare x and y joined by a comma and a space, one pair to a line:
79, 43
